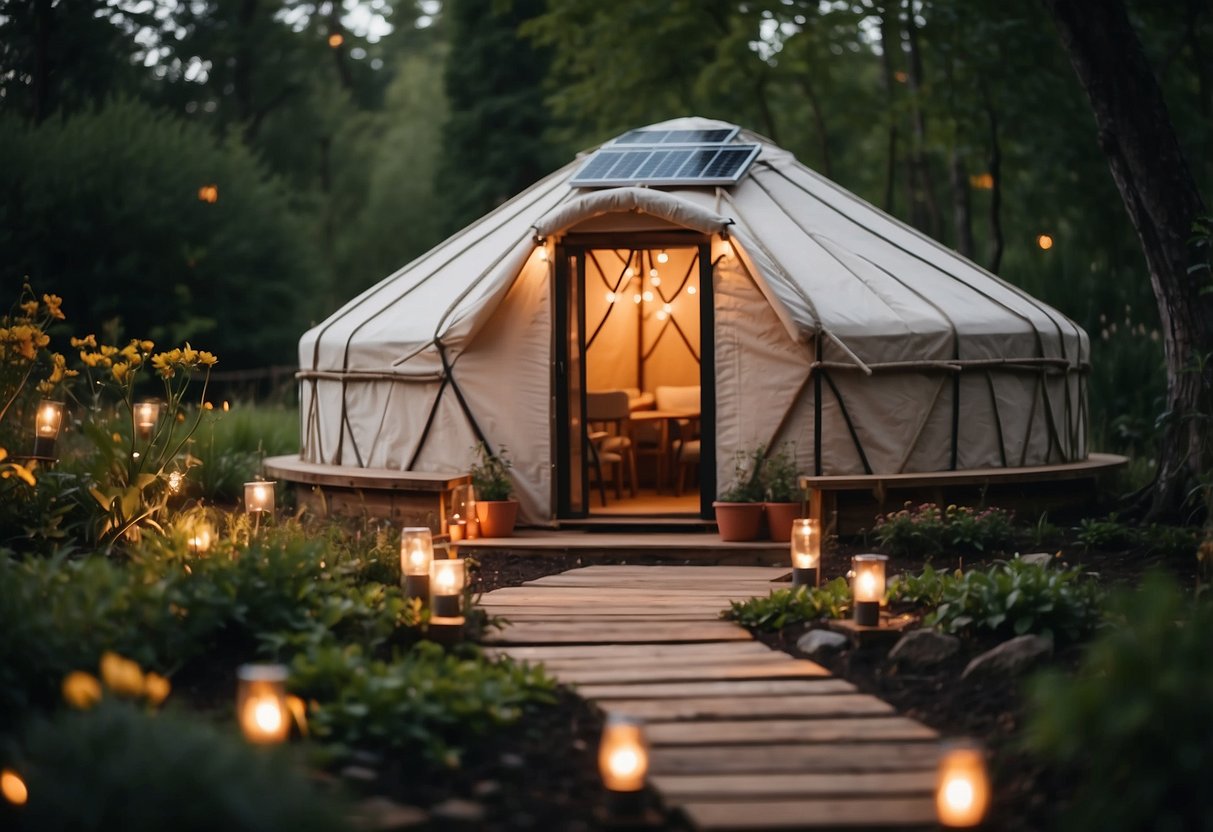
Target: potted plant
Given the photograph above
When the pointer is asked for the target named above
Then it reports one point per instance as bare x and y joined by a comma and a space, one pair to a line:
739, 509
496, 513
781, 491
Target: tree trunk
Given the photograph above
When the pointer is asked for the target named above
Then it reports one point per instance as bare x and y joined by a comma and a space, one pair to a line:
962, 213
43, 20
995, 165
819, 120
1160, 194
886, 64
242, 72
922, 191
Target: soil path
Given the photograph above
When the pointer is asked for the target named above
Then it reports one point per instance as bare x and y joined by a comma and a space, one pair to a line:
742, 736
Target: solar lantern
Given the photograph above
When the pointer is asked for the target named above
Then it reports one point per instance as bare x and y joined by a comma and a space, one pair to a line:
259, 497
416, 555
146, 414
448, 577
623, 763
867, 587
806, 552
261, 705
962, 785
200, 538
46, 428
461, 525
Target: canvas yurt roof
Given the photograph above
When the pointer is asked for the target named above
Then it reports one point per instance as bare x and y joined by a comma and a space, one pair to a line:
930, 362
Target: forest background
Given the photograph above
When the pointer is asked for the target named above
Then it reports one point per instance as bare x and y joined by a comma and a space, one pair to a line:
229, 171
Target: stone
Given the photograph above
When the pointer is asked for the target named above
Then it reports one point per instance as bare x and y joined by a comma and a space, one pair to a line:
1037, 559
361, 774
924, 648
1011, 658
816, 642
378, 814
486, 788
511, 760
458, 813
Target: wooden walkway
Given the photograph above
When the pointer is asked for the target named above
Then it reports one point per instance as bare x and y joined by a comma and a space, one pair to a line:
743, 737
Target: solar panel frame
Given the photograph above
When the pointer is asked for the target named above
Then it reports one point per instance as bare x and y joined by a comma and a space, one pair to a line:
618, 165
712, 135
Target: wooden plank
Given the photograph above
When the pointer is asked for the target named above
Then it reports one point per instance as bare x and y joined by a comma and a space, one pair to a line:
785, 757
751, 687
756, 670
641, 661
665, 568
668, 580
750, 707
752, 731
1094, 464
592, 617
293, 469
897, 812
691, 787
704, 612
618, 633
606, 651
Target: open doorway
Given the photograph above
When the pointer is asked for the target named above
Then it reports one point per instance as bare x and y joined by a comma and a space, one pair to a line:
638, 439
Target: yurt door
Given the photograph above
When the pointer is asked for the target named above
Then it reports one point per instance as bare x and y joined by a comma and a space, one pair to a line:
572, 476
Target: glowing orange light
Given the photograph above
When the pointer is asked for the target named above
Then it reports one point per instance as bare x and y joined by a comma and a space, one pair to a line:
209, 193
1045, 242
982, 181
336, 39
13, 787
962, 788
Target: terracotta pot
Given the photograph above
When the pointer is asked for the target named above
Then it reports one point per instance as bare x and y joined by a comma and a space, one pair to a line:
496, 517
779, 520
738, 521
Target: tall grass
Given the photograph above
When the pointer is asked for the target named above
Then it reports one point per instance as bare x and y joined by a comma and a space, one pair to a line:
232, 443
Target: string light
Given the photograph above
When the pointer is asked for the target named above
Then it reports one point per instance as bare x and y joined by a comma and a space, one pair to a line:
610, 297
648, 296
662, 257
691, 289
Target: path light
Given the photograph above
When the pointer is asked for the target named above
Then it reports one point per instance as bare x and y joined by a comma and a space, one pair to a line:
867, 587
962, 786
261, 704
201, 535
623, 762
806, 552
447, 579
13, 787
46, 428
259, 496
146, 414
463, 513
416, 555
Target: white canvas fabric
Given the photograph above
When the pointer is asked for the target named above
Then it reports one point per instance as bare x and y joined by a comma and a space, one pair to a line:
923, 359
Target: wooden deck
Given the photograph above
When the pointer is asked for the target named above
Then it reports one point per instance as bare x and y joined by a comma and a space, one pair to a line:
743, 737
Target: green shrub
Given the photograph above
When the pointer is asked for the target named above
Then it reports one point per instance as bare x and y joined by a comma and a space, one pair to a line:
118, 767
1106, 533
431, 704
1133, 728
927, 530
231, 443
779, 476
1007, 599
491, 474
799, 605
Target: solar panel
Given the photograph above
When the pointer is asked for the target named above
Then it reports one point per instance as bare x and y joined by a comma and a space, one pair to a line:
666, 162
713, 136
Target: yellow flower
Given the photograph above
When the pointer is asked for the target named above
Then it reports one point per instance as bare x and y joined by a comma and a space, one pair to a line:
94, 359
157, 688
87, 341
121, 371
16, 469
163, 362
122, 676
29, 308
207, 359
81, 690
53, 302
107, 350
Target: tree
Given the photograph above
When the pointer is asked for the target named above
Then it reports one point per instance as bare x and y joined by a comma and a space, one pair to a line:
114, 211
1163, 201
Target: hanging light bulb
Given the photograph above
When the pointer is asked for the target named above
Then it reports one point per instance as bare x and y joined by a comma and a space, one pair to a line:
662, 315
610, 297
629, 272
655, 280
667, 308
662, 257
648, 296
691, 289
637, 297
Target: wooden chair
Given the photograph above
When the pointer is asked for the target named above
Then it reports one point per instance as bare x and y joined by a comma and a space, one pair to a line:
684, 450
686, 455
610, 443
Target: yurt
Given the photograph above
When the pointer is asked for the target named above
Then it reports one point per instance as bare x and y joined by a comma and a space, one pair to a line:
696, 262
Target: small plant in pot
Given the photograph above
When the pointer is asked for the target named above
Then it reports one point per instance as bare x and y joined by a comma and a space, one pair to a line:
496, 512
739, 509
781, 491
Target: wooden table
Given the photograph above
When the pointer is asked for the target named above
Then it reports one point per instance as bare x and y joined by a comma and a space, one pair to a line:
663, 418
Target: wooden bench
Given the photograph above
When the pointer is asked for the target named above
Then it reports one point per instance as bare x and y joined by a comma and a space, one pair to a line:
409, 498
850, 503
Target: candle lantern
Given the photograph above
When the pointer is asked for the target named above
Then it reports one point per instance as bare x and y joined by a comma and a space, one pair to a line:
46, 428
416, 555
806, 552
623, 763
259, 497
462, 521
867, 587
146, 415
962, 786
447, 579
261, 704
